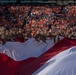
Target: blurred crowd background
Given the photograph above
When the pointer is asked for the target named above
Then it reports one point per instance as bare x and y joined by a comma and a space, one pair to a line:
19, 23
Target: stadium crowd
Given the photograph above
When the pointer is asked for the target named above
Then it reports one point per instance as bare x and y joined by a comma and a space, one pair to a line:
19, 23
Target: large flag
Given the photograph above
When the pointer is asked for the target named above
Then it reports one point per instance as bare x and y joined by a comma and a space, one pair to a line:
34, 58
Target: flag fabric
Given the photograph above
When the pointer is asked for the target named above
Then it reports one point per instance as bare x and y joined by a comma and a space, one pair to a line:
63, 63
21, 51
32, 61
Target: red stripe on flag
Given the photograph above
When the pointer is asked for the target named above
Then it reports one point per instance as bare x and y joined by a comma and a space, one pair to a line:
57, 48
